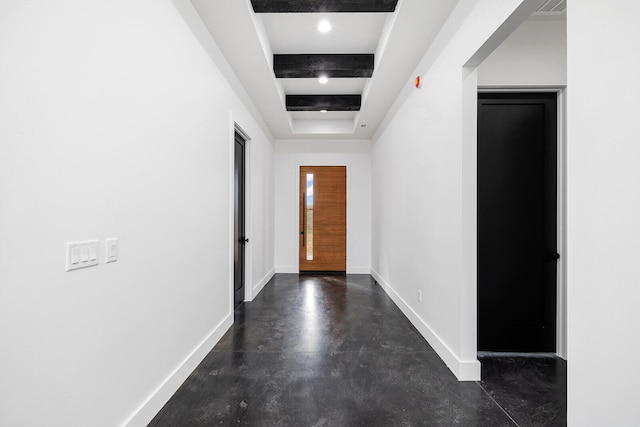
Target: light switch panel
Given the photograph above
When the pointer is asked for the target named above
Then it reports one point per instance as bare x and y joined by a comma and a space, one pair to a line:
82, 254
111, 250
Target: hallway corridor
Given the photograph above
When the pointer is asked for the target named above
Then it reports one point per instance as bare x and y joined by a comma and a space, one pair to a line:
336, 351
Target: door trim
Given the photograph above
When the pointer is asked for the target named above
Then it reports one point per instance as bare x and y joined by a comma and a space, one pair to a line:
248, 289
561, 275
239, 219
238, 129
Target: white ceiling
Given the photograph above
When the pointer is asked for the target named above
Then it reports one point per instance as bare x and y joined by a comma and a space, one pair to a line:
343, 86
298, 33
329, 115
248, 42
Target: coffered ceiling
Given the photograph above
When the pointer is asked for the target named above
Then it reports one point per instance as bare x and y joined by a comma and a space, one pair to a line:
313, 82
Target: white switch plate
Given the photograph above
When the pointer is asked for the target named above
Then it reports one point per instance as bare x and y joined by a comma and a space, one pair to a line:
82, 254
111, 250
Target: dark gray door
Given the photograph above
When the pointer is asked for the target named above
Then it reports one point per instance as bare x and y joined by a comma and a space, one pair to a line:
239, 238
517, 226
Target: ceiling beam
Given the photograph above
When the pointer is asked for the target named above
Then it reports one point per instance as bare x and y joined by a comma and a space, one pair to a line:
323, 6
323, 102
314, 66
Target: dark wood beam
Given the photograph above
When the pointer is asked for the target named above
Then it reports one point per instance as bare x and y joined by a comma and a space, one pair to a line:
323, 102
313, 66
323, 6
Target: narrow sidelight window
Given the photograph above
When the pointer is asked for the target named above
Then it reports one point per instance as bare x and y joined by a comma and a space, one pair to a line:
309, 217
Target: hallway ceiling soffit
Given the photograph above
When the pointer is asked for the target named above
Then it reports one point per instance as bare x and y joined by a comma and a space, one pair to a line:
368, 56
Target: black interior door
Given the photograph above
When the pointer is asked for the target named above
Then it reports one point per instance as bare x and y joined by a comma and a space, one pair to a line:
239, 238
517, 225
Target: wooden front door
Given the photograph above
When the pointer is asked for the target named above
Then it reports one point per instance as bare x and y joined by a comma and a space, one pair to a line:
323, 218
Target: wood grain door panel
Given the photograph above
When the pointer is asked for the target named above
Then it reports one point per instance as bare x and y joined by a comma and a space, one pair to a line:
328, 214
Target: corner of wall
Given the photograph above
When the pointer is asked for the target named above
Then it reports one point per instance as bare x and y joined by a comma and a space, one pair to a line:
262, 283
287, 269
464, 370
358, 270
161, 395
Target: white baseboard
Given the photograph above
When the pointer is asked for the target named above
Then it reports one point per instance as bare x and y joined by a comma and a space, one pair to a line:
294, 270
464, 370
358, 270
263, 282
161, 395
350, 270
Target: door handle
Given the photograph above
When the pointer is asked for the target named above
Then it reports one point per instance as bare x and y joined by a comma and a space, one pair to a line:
551, 254
243, 240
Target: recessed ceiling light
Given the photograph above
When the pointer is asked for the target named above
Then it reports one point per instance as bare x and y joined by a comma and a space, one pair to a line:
323, 111
324, 26
324, 80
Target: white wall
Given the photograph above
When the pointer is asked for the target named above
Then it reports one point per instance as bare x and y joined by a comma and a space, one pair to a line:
603, 212
260, 250
114, 122
356, 156
424, 185
534, 55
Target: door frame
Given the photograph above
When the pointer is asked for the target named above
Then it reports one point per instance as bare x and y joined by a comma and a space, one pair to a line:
561, 274
317, 163
248, 289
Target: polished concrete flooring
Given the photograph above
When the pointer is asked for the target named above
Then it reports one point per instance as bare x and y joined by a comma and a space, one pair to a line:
322, 350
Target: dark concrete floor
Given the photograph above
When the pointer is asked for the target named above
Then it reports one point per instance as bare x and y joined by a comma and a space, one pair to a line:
532, 390
315, 350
